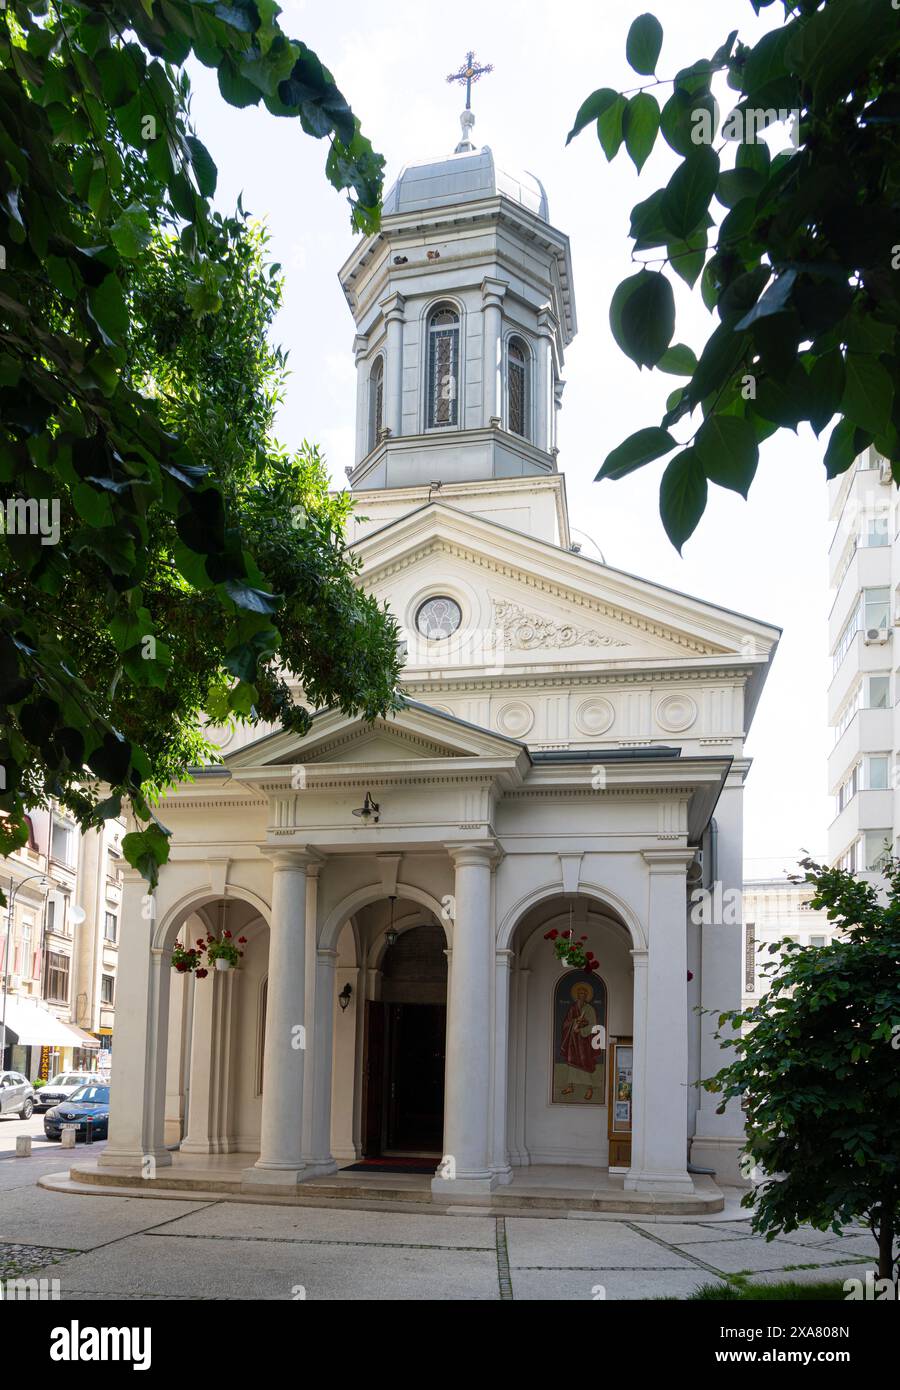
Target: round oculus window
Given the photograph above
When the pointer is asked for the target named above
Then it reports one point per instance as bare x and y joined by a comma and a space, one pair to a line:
438, 617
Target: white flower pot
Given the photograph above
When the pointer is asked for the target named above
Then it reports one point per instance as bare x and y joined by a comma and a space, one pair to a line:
222, 963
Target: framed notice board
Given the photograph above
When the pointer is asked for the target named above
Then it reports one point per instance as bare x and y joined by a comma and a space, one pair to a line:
619, 1111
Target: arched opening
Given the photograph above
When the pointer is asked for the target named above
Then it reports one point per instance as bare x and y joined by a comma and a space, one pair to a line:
216, 1031
518, 395
392, 1039
443, 366
376, 401
570, 1037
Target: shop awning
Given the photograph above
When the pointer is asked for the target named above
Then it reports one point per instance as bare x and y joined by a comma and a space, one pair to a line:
30, 1025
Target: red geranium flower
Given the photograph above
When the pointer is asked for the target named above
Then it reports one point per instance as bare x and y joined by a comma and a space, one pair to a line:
568, 932
583, 938
227, 936
202, 974
242, 940
690, 975
551, 935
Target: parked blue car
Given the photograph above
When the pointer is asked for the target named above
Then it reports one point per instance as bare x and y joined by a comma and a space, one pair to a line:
89, 1105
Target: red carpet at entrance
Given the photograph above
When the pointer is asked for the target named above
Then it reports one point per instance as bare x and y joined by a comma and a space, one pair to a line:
393, 1165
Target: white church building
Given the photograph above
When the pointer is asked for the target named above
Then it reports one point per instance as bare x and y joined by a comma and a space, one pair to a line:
570, 758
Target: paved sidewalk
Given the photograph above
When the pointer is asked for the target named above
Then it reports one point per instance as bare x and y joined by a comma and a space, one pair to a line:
115, 1247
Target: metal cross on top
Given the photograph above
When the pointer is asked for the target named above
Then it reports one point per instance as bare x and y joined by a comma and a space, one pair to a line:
470, 72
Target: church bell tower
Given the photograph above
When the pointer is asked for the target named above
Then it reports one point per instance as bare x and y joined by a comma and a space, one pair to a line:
464, 307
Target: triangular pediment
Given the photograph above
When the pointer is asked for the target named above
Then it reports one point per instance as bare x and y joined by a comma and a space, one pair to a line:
541, 603
414, 734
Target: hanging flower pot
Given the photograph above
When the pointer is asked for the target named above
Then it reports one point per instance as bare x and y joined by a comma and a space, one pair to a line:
223, 951
187, 959
572, 952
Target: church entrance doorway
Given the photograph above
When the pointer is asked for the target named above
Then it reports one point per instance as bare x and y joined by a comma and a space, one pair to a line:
403, 1108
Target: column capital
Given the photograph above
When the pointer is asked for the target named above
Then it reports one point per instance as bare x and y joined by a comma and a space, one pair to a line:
360, 347
493, 290
672, 860
299, 857
392, 307
327, 954
548, 323
475, 852
505, 957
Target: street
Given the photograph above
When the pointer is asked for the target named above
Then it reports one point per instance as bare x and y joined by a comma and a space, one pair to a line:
104, 1248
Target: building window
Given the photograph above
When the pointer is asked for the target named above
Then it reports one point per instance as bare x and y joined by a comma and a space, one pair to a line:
57, 977
107, 989
877, 772
517, 402
51, 914
110, 926
443, 366
62, 843
26, 950
878, 608
878, 692
817, 941
848, 789
875, 531
376, 401
851, 628
878, 847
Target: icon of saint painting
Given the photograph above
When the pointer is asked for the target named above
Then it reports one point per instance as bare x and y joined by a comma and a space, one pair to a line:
579, 1044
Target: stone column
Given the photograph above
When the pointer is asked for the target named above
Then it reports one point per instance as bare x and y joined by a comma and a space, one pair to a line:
492, 292
467, 1122
323, 1049
280, 1159
520, 1154
661, 1042
719, 1139
210, 1098
393, 310
500, 1160
360, 349
138, 1093
639, 1057
543, 374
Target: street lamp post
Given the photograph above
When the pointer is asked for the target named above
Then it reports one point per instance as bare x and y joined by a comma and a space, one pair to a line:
45, 883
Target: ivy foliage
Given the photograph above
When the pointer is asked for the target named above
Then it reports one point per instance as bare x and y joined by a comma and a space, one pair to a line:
797, 255
161, 556
818, 1069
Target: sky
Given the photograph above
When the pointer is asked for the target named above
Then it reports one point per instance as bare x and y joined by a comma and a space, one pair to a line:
765, 557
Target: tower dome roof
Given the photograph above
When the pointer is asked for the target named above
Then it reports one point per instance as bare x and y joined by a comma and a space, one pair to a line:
464, 177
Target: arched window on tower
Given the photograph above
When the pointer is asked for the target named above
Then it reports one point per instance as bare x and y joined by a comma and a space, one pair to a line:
517, 402
443, 366
376, 401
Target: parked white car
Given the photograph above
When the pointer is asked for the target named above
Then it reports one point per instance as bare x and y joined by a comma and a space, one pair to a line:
60, 1087
16, 1095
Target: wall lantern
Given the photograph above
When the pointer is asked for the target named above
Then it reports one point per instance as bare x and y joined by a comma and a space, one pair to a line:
345, 996
369, 810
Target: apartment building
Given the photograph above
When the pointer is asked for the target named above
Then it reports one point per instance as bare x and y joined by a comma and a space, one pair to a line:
864, 629
775, 909
59, 937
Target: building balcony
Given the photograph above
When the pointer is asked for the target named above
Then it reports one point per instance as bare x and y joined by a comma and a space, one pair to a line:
870, 568
862, 658
867, 811
869, 731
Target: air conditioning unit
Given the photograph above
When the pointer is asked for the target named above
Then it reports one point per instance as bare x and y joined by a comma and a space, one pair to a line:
884, 472
876, 635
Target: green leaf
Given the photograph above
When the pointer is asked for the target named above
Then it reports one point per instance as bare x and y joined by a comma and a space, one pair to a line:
826, 387
236, 90
679, 360
107, 308
204, 168
687, 257
642, 317
591, 109
131, 232
146, 850
642, 47
868, 393
689, 190
640, 448
609, 127
845, 444
727, 448
255, 600
640, 125
682, 497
